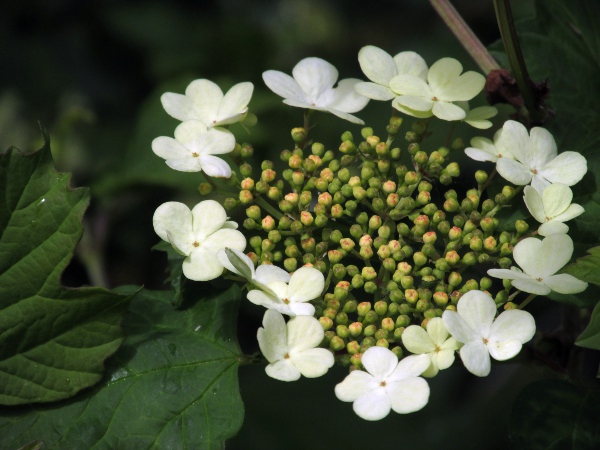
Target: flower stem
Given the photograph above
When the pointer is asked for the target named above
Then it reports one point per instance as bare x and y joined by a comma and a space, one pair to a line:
465, 35
270, 209
525, 302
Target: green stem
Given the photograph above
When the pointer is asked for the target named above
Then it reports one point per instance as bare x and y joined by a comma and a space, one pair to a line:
515, 57
465, 35
525, 302
270, 209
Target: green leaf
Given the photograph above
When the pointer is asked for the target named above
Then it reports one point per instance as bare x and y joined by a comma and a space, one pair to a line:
587, 268
555, 415
172, 384
590, 337
53, 340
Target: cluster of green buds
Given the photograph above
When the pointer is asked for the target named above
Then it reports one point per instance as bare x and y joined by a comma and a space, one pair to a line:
393, 247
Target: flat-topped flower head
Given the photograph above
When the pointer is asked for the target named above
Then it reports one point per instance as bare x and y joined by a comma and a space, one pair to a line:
380, 68
312, 88
552, 208
537, 160
474, 326
444, 85
239, 263
290, 348
435, 343
204, 101
540, 260
198, 234
194, 147
385, 384
305, 285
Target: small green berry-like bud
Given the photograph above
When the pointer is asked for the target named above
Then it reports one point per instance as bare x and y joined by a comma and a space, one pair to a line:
370, 287
245, 197
420, 258
453, 169
454, 279
326, 323
353, 348
412, 178
521, 226
380, 307
411, 296
363, 308
298, 135
440, 299
510, 305
290, 264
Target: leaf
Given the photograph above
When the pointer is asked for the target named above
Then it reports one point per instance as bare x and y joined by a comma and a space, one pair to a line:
172, 384
587, 268
53, 340
553, 414
590, 338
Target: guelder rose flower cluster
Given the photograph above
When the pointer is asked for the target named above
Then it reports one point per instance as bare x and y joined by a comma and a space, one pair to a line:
376, 272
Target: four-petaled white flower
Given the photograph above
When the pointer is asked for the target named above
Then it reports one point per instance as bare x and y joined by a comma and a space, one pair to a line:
552, 208
444, 85
435, 343
540, 260
204, 101
290, 349
239, 263
380, 68
473, 325
312, 88
386, 384
305, 284
194, 147
198, 234
537, 160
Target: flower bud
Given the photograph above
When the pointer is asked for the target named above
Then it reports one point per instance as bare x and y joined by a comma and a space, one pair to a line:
350, 307
380, 307
326, 323
370, 318
363, 308
521, 226
353, 348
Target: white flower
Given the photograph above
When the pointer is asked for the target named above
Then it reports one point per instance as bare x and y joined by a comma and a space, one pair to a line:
536, 159
290, 348
478, 117
435, 342
239, 263
204, 101
473, 325
194, 147
305, 284
540, 260
552, 208
444, 85
198, 234
312, 88
386, 384
380, 68
509, 136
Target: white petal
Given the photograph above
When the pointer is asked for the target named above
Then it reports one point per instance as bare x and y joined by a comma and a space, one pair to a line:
411, 112
283, 370
374, 91
261, 298
541, 148
410, 85
442, 73
206, 97
272, 338
172, 217
445, 358
447, 111
346, 116
514, 171
346, 99
215, 141
304, 332
480, 113
513, 139
556, 199
416, 340
411, 63
565, 284
458, 328
299, 309
501, 351
376, 64
552, 227
189, 164
483, 146
480, 155
208, 216
437, 330
571, 212
169, 148
476, 358
531, 286
235, 102
409, 395
315, 76
314, 362
301, 104
306, 284
568, 168
380, 362
267, 273
215, 166
374, 405
178, 106
414, 102
224, 237
463, 88
237, 262
511, 325
355, 385
505, 274
534, 204
202, 265
409, 367
555, 253
539, 183
478, 309
283, 85
189, 132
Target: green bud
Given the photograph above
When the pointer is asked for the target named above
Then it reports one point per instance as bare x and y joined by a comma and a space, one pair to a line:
353, 349
521, 226
358, 281
326, 323
453, 169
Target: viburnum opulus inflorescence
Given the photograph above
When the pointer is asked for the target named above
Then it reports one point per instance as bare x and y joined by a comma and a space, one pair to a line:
374, 246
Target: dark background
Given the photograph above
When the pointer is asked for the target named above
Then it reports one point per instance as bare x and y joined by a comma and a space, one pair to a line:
92, 72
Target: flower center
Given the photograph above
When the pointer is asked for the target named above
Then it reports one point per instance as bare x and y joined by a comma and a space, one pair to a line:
285, 300
383, 384
195, 155
539, 279
435, 99
196, 244
286, 356
485, 341
534, 171
437, 349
